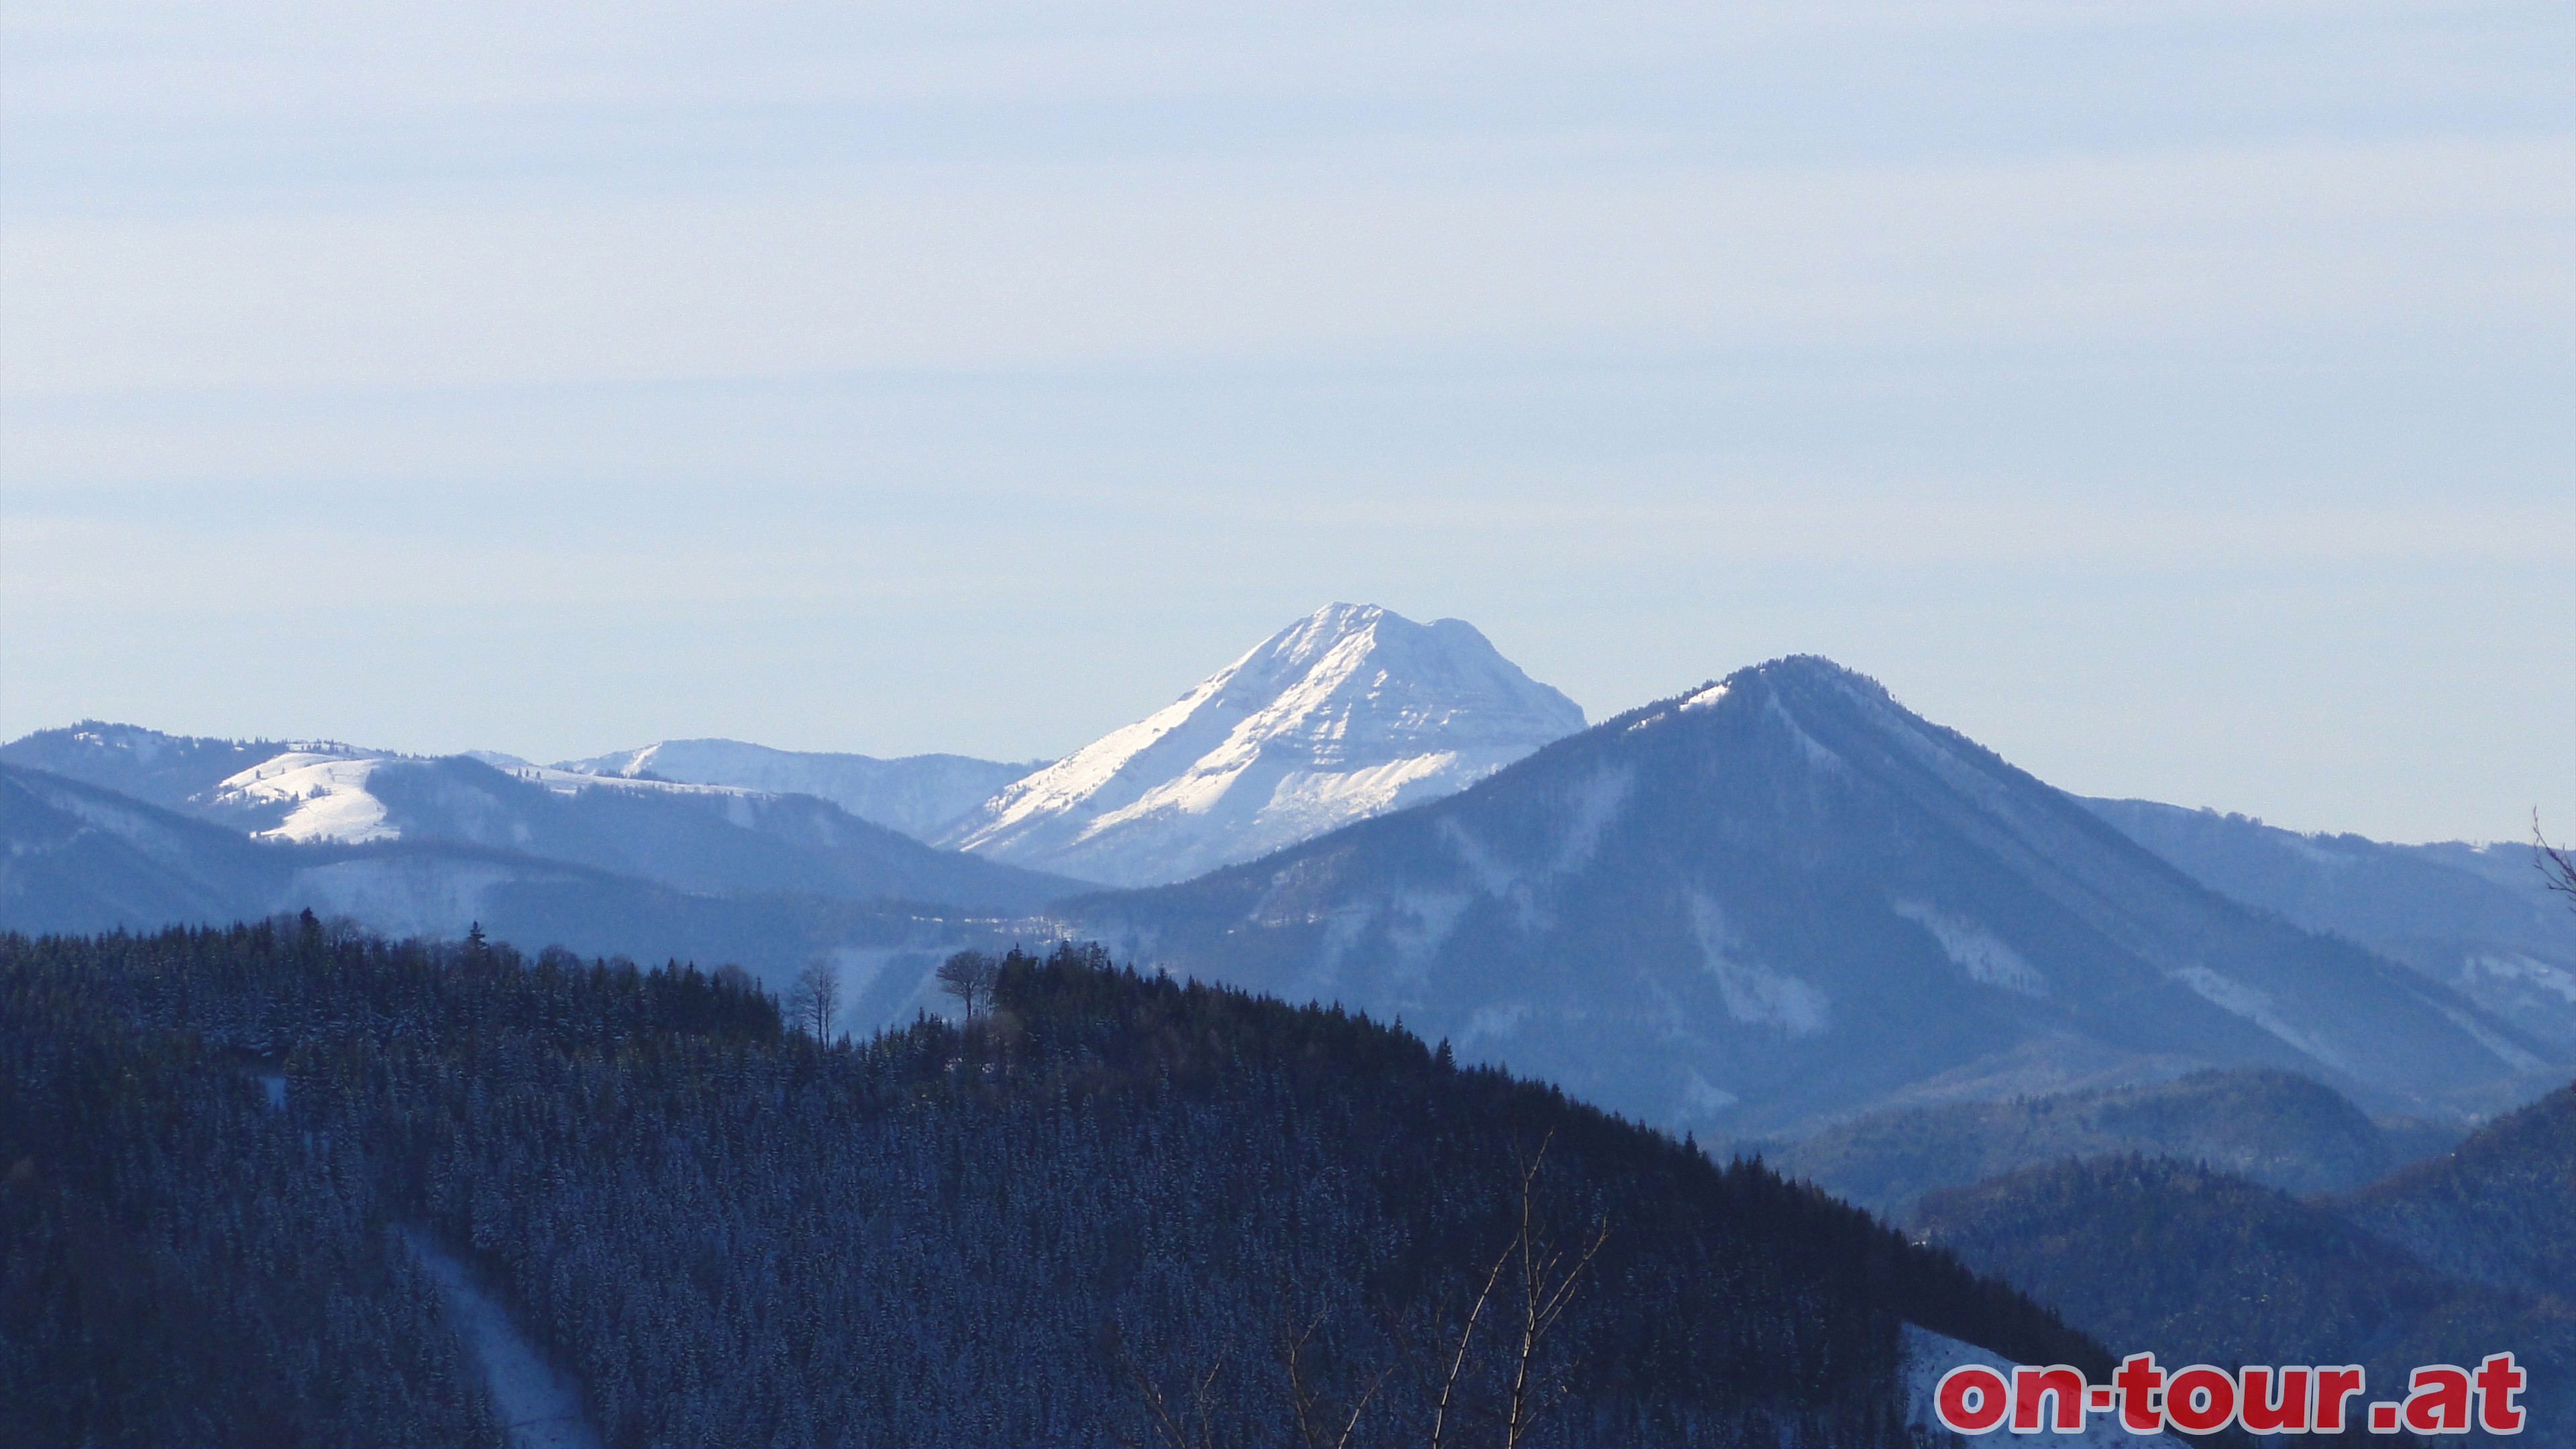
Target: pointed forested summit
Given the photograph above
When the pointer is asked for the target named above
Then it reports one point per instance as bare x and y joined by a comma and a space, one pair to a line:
1784, 898
1350, 712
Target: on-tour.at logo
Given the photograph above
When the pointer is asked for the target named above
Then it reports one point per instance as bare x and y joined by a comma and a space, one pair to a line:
2440, 1398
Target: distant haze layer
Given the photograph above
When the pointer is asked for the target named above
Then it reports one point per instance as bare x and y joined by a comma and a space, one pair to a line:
2178, 398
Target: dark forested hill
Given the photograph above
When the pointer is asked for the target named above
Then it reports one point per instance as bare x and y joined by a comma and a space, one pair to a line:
1106, 1192
2271, 1127
179, 1264
2199, 1265
2500, 1209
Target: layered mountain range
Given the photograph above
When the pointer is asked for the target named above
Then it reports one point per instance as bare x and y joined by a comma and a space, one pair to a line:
1782, 899
1778, 910
920, 795
1768, 904
2479, 918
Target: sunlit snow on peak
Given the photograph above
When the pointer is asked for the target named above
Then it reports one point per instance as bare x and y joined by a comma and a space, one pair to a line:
327, 793
1349, 712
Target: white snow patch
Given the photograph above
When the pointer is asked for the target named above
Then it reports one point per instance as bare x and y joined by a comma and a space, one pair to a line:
328, 793
1705, 697
2520, 968
1493, 876
1702, 1097
1494, 1023
1818, 757
1754, 993
2256, 1006
330, 798
2505, 1051
920, 795
540, 1407
427, 896
1979, 952
1417, 922
1595, 804
1928, 1355
500, 761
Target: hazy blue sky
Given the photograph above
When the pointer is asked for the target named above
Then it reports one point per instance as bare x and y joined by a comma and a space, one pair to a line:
2179, 398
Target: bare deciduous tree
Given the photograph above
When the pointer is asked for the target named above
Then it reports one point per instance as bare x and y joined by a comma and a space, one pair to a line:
1542, 1274
2555, 866
1193, 1427
1315, 1417
1523, 1295
969, 976
815, 999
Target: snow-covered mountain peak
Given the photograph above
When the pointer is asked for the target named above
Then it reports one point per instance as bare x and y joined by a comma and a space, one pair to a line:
1349, 712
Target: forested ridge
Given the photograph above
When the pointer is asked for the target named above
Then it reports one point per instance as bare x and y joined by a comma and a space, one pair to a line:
2199, 1265
2273, 1127
1105, 1192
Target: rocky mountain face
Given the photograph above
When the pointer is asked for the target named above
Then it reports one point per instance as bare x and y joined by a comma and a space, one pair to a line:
1350, 713
920, 795
1782, 900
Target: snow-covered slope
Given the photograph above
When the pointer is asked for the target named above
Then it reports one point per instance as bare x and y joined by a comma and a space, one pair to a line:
2477, 918
1350, 712
1759, 908
310, 795
717, 839
920, 795
175, 772
316, 793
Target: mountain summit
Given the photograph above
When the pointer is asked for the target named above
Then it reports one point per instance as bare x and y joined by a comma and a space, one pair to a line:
1350, 712
1783, 899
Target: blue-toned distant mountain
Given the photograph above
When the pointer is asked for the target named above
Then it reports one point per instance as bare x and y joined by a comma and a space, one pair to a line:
920, 795
175, 772
1784, 899
698, 838
76, 858
1773, 904
2479, 918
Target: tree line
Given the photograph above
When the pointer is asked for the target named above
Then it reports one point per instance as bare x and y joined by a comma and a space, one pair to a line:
1103, 1208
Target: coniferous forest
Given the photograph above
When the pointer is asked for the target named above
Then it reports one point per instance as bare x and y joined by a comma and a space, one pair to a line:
1106, 1209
